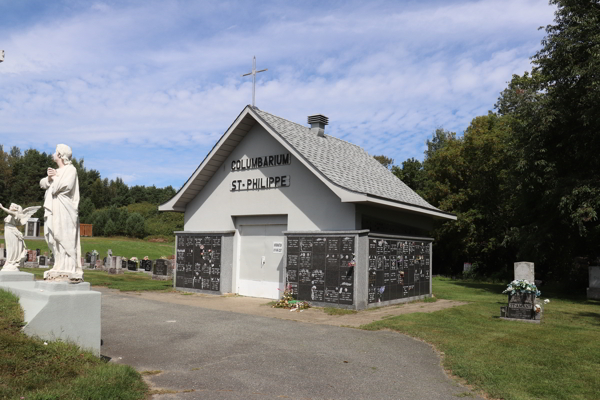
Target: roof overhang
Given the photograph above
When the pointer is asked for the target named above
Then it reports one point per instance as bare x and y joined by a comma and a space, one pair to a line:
386, 203
235, 134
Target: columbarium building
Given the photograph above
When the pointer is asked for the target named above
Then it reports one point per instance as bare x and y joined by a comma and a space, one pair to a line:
277, 204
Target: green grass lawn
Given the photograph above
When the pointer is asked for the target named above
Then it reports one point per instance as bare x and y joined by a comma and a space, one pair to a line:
128, 281
120, 246
36, 370
557, 359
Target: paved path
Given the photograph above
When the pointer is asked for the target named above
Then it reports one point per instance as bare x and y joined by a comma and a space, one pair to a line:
206, 353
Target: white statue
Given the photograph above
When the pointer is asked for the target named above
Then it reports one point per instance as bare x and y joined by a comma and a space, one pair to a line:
15, 245
61, 218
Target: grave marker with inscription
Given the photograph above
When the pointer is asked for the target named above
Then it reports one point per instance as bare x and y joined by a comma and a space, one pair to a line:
146, 265
521, 306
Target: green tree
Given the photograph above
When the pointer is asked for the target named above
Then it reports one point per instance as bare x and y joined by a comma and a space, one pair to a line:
471, 177
555, 114
136, 226
411, 173
385, 161
27, 170
86, 209
110, 229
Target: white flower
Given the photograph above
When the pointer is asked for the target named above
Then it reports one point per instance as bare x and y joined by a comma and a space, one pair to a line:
546, 301
45, 343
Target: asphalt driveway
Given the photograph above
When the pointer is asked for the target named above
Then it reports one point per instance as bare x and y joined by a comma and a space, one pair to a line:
204, 353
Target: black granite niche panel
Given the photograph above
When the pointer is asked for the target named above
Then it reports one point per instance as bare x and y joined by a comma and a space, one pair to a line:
398, 269
199, 262
321, 268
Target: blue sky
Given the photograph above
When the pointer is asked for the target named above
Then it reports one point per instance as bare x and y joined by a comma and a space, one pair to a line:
144, 89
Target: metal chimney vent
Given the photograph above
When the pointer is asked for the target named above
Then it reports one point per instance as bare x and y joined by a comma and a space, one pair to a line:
317, 124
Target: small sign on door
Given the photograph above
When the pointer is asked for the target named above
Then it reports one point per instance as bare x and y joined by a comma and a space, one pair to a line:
277, 247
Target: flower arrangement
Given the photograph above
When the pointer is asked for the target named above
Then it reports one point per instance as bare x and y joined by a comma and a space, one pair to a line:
288, 301
522, 286
134, 259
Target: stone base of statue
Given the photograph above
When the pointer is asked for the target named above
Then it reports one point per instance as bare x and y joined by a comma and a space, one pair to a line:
12, 267
62, 276
57, 310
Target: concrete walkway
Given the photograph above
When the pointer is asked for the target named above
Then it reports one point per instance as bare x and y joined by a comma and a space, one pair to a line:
217, 347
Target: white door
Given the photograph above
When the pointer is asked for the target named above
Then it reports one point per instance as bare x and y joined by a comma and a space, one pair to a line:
261, 261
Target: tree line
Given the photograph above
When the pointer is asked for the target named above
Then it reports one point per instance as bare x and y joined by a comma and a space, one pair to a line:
111, 205
524, 180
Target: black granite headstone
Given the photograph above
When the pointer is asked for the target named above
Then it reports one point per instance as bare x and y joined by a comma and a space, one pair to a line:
131, 265
147, 265
123, 264
38, 252
160, 267
42, 260
88, 257
521, 306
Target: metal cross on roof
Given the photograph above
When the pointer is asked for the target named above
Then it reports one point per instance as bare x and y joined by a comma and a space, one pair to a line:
253, 73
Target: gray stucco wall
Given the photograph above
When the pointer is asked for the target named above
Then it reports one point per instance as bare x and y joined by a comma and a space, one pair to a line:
307, 202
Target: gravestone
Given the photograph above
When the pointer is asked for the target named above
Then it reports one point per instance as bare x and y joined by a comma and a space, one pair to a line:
31, 256
115, 265
525, 270
93, 259
467, 267
38, 252
593, 291
162, 269
147, 265
131, 265
88, 257
2, 255
521, 306
42, 260
98, 264
108, 262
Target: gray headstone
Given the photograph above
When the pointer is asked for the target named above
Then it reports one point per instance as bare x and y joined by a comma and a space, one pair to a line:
593, 291
525, 270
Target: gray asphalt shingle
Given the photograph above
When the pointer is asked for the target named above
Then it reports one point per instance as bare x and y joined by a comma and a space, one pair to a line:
343, 163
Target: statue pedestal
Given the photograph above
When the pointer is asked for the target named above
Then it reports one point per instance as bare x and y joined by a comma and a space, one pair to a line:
57, 310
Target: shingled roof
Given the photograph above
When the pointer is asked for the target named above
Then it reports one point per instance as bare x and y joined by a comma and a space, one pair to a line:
344, 163
341, 163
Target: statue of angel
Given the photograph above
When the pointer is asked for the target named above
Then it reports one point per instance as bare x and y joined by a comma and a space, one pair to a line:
16, 249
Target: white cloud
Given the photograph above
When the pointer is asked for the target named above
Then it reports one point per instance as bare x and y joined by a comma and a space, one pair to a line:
150, 76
